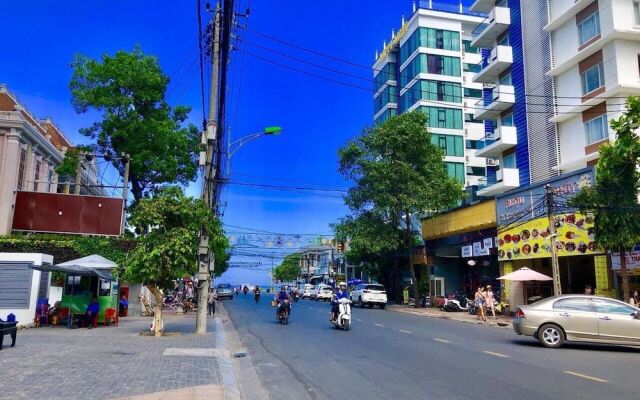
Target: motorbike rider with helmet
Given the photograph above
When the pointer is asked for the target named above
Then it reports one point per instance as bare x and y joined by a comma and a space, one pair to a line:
342, 293
282, 296
256, 293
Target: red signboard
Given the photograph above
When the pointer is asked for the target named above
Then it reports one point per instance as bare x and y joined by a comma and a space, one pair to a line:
66, 213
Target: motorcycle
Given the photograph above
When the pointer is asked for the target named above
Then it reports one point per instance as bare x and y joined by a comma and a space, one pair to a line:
296, 297
425, 302
498, 306
284, 309
257, 297
343, 320
245, 290
458, 303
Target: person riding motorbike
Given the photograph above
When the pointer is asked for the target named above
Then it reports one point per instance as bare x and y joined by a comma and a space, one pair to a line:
245, 289
342, 293
256, 293
282, 296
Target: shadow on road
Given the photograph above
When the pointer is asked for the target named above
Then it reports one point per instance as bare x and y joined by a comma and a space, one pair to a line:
580, 346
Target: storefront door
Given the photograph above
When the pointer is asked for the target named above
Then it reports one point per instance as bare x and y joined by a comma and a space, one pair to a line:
436, 286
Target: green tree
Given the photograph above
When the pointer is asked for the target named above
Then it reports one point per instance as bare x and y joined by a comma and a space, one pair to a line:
129, 90
167, 243
613, 199
397, 173
289, 270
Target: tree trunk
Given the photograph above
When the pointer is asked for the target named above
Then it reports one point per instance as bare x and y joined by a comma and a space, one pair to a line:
625, 277
158, 326
408, 242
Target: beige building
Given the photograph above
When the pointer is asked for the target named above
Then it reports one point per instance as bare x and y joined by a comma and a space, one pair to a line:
30, 150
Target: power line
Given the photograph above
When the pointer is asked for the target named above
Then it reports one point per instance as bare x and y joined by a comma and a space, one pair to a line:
200, 51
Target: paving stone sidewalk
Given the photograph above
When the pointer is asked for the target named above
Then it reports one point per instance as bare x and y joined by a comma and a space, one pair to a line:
113, 362
501, 321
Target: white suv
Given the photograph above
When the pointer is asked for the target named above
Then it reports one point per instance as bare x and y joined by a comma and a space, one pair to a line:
322, 292
307, 290
369, 294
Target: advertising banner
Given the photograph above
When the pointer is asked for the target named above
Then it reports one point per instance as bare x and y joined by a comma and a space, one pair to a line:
523, 225
633, 260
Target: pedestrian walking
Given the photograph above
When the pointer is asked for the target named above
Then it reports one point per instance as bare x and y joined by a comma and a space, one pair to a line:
588, 290
479, 301
490, 300
211, 302
635, 299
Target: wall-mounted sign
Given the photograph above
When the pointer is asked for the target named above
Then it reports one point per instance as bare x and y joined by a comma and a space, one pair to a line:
467, 251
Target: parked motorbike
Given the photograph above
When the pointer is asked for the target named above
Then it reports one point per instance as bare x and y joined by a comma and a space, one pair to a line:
425, 301
458, 303
498, 306
284, 309
343, 320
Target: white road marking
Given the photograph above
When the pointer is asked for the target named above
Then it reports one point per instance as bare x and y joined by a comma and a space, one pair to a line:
591, 378
495, 354
359, 320
382, 326
441, 340
403, 331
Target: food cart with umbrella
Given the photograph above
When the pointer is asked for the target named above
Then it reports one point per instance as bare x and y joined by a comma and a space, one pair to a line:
525, 275
84, 278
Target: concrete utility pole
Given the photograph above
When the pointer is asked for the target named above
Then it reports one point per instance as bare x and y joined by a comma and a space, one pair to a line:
125, 189
555, 268
76, 188
208, 190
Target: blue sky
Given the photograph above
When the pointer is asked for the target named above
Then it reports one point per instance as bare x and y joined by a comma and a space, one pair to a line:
317, 116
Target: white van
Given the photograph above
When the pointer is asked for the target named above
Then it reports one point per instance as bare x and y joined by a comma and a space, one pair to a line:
307, 288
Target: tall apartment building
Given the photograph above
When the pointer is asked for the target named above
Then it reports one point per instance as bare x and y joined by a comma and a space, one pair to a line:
429, 65
595, 53
518, 95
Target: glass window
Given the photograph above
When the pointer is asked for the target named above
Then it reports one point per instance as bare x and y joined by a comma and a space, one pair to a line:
596, 129
593, 78
36, 178
589, 28
507, 120
21, 169
385, 74
468, 48
509, 161
476, 93
439, 117
388, 95
456, 170
49, 180
612, 307
476, 171
505, 80
572, 304
502, 3
432, 64
452, 145
382, 118
503, 40
475, 68
636, 12
471, 144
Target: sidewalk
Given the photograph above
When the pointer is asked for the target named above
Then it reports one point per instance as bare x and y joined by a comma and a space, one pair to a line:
501, 321
118, 363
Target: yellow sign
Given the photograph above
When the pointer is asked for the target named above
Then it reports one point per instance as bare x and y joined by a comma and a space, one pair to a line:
603, 288
394, 41
507, 269
575, 236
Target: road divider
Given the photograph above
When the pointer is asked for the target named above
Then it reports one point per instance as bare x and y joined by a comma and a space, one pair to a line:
441, 340
583, 376
403, 331
381, 326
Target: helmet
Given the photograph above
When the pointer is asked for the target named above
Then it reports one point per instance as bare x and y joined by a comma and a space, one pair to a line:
341, 284
283, 288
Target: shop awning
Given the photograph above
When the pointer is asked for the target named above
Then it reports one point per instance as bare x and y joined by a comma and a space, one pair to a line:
93, 265
468, 219
525, 274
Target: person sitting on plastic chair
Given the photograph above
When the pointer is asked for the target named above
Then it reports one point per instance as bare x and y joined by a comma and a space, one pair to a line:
91, 314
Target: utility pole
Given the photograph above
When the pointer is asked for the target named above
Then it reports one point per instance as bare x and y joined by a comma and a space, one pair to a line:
306, 257
125, 189
76, 188
206, 257
555, 268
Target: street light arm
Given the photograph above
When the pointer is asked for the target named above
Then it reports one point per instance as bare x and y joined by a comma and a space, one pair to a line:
241, 142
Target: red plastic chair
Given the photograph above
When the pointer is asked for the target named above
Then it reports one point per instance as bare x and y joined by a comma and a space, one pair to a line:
42, 315
110, 317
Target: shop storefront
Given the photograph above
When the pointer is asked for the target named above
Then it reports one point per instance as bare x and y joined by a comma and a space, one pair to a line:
524, 239
461, 249
633, 269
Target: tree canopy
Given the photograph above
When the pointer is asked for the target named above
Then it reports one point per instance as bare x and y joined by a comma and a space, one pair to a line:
398, 173
129, 90
613, 199
166, 248
289, 270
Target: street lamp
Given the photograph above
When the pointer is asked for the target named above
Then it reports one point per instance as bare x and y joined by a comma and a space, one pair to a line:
238, 143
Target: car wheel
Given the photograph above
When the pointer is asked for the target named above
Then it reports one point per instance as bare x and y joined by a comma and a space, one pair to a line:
370, 305
382, 306
231, 298
551, 336
361, 303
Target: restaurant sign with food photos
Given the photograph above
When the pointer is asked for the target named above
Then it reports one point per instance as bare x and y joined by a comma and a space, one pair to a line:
523, 225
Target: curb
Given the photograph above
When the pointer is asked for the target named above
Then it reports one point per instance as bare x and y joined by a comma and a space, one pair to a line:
497, 324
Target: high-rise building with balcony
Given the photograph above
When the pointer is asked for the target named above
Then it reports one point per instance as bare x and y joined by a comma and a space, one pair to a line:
429, 65
518, 97
595, 62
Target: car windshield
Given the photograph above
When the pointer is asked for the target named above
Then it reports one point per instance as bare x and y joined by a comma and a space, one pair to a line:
224, 286
375, 287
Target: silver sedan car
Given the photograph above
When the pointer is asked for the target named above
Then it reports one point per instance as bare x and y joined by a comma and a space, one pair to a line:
579, 318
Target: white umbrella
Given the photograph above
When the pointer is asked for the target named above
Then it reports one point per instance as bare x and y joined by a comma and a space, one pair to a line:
525, 274
93, 261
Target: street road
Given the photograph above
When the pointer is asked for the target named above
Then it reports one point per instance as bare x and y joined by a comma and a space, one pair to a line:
390, 355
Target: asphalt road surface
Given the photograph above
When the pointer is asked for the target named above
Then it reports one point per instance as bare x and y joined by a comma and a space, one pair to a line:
390, 355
